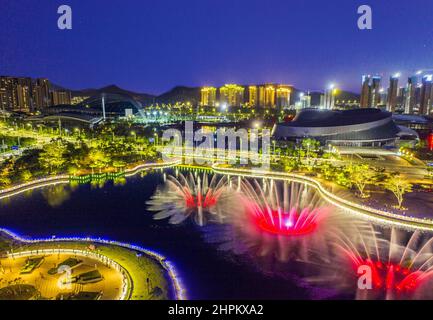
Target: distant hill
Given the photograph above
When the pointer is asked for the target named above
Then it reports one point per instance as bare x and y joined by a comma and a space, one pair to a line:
180, 93
190, 94
347, 95
144, 98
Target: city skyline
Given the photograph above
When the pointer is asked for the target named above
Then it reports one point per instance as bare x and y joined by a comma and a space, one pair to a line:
224, 150
152, 49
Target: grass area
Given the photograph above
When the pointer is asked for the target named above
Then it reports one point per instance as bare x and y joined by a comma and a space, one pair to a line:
81, 296
19, 292
88, 277
70, 262
31, 265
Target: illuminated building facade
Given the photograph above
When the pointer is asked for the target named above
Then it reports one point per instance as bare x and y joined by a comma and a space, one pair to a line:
8, 85
23, 98
392, 93
426, 99
329, 98
283, 96
273, 96
232, 95
258, 96
23, 94
78, 100
41, 93
375, 98
269, 101
410, 97
365, 92
304, 101
3, 99
252, 96
61, 98
370, 92
208, 96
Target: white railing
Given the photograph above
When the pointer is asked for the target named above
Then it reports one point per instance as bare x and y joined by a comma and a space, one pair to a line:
126, 278
380, 216
64, 179
179, 290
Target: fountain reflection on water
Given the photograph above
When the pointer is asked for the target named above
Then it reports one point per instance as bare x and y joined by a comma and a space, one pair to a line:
290, 222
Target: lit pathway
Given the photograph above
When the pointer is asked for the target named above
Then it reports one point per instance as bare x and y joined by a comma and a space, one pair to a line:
365, 212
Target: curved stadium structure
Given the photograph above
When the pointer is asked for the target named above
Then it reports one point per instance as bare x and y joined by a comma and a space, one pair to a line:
357, 127
116, 105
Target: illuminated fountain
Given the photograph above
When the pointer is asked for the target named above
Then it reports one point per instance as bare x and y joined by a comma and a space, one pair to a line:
192, 196
283, 221
398, 268
297, 212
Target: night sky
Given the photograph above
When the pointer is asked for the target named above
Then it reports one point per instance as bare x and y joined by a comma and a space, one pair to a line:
153, 45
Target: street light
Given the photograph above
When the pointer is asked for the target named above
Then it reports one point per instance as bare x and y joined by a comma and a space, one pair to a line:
156, 138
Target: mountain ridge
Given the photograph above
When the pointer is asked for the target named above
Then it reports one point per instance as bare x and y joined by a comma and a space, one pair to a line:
177, 93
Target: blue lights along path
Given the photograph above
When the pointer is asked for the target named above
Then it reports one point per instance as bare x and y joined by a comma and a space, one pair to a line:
179, 289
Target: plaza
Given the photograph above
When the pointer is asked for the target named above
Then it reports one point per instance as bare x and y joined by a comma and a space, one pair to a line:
106, 286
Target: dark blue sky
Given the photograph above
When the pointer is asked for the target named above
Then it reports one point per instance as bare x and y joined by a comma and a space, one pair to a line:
153, 45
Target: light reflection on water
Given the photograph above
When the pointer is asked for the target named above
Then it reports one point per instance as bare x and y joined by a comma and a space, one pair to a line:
208, 257
118, 211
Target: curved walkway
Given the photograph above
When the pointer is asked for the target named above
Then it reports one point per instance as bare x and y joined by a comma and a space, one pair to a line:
179, 291
64, 179
126, 280
379, 216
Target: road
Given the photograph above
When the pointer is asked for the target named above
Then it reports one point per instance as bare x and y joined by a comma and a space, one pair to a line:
390, 161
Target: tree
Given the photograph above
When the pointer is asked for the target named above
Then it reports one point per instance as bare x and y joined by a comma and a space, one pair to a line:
52, 156
26, 176
361, 175
98, 159
328, 170
291, 164
398, 186
5, 181
430, 172
73, 170
310, 147
119, 164
342, 177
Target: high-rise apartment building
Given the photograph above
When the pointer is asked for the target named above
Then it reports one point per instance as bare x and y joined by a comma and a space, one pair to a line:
375, 99
232, 95
329, 98
3, 99
24, 98
365, 92
370, 92
61, 97
426, 98
304, 101
43, 88
208, 96
392, 93
252, 96
22, 94
410, 95
283, 96
9, 84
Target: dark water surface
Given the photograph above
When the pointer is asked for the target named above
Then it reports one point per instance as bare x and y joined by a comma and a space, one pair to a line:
119, 213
